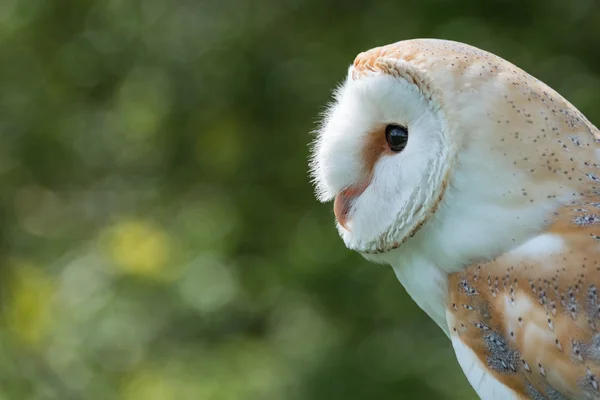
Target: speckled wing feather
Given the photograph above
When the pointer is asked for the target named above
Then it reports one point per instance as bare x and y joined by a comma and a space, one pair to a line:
532, 316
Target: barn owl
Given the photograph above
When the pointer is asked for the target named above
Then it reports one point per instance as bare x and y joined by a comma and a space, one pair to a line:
480, 186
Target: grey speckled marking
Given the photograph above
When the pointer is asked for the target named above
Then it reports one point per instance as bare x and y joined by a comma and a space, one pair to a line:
532, 392
571, 305
550, 393
593, 177
586, 220
591, 350
576, 351
589, 385
481, 326
554, 394
592, 306
575, 139
502, 357
466, 288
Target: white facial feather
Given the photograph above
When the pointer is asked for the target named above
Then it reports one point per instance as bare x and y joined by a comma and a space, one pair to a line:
398, 187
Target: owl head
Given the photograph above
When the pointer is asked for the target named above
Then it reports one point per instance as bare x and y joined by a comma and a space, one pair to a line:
447, 147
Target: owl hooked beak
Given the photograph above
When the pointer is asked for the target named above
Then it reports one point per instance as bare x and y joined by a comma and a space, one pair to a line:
343, 203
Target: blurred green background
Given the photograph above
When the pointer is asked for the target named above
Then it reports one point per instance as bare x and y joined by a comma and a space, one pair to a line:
160, 239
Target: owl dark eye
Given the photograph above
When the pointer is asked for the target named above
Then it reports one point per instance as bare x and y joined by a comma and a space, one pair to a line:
396, 137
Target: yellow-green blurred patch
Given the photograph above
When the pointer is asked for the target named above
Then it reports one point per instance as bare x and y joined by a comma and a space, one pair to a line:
247, 369
208, 284
28, 312
208, 220
150, 385
142, 249
142, 102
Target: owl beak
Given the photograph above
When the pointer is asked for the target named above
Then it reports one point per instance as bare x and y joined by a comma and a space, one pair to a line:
343, 203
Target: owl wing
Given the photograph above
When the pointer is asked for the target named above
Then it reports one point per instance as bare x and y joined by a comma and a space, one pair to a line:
530, 319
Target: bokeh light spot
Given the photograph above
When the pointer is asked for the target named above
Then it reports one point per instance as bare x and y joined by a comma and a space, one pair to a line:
140, 248
29, 306
208, 284
149, 385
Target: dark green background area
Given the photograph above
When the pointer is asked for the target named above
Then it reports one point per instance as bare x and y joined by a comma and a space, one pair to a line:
160, 237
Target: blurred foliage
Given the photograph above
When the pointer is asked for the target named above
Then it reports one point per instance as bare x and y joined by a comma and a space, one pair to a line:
160, 239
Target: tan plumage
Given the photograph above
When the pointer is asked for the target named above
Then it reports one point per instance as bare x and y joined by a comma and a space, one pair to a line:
544, 309
503, 238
